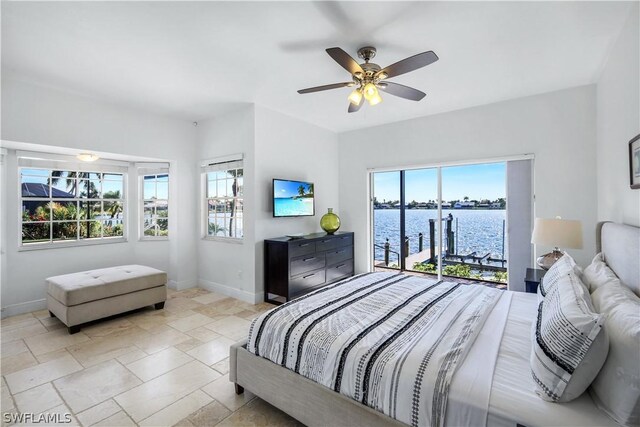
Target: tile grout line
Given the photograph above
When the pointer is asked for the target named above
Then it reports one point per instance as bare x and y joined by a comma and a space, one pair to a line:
132, 373
122, 409
66, 404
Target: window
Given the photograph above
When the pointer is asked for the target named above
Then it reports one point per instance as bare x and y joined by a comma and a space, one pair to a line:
69, 205
155, 208
224, 199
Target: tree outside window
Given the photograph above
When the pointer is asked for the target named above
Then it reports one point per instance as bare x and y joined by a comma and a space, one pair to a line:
224, 203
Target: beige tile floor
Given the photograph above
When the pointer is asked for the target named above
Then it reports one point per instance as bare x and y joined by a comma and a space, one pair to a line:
149, 367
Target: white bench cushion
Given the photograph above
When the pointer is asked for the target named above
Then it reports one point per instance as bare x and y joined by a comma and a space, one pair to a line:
78, 288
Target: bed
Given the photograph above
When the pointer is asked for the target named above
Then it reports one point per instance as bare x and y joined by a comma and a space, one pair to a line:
496, 387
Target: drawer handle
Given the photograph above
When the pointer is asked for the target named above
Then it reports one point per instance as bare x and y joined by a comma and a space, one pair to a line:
344, 238
303, 245
308, 275
326, 241
340, 252
308, 259
340, 266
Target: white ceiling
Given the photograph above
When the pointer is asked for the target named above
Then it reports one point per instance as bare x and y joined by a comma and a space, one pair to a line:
194, 60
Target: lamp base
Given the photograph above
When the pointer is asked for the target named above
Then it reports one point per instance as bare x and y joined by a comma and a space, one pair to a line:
547, 260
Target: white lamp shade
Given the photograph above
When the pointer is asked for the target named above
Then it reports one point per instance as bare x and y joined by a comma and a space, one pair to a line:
560, 233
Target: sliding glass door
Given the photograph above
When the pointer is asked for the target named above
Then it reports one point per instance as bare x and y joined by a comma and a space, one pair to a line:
408, 217
475, 220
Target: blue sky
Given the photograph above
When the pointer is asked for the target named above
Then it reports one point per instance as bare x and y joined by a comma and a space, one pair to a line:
483, 181
285, 189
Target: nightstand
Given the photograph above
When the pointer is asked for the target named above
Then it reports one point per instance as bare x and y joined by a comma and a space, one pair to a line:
532, 279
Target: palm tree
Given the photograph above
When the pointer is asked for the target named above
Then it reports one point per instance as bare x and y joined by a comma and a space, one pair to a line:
72, 179
301, 190
235, 173
215, 229
113, 208
466, 198
72, 182
310, 188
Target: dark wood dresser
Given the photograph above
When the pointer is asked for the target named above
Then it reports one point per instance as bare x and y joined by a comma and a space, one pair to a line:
294, 267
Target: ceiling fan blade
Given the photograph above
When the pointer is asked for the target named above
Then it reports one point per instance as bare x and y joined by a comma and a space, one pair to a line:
325, 87
402, 91
409, 64
354, 108
345, 60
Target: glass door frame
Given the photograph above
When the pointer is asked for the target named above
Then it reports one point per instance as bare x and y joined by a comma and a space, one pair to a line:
438, 167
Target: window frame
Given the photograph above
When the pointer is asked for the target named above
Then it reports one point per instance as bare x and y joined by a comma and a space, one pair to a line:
55, 244
142, 200
234, 164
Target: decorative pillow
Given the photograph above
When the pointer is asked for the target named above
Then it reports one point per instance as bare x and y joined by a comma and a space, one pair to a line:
569, 344
561, 267
616, 389
598, 273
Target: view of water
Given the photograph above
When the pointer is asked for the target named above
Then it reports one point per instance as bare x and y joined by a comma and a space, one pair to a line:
478, 230
293, 207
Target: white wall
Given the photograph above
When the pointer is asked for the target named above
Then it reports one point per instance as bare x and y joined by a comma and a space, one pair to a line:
558, 128
274, 146
618, 118
40, 115
289, 148
223, 266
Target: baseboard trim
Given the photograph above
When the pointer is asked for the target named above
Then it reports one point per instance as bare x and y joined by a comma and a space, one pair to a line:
23, 307
180, 286
245, 296
41, 304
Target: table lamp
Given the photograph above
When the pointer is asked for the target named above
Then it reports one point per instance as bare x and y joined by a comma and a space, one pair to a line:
556, 232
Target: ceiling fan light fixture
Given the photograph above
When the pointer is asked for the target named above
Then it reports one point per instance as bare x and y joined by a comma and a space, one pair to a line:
370, 91
87, 157
355, 97
375, 99
368, 78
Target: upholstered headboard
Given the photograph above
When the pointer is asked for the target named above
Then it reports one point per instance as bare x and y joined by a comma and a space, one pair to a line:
620, 247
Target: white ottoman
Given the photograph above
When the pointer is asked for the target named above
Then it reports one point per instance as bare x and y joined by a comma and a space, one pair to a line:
79, 298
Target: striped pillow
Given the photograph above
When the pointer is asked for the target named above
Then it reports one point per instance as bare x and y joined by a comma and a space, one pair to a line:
569, 345
561, 267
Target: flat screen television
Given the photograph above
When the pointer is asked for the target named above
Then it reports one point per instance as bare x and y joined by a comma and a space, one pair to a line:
293, 198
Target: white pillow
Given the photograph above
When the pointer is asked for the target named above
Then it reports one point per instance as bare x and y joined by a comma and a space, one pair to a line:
569, 344
598, 273
616, 389
560, 268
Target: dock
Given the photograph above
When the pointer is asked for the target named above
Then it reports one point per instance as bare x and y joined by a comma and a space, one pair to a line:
422, 256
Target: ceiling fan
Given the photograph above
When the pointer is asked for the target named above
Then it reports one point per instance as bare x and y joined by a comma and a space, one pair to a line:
369, 77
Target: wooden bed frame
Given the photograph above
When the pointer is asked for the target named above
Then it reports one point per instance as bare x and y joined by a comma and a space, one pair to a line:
316, 405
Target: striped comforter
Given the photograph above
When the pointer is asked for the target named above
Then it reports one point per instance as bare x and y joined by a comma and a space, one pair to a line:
389, 341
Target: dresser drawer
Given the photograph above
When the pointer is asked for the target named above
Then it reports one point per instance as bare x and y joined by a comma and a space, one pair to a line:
340, 270
306, 282
307, 263
340, 254
334, 242
301, 248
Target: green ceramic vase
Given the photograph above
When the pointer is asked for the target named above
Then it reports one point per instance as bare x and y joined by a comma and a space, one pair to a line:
330, 222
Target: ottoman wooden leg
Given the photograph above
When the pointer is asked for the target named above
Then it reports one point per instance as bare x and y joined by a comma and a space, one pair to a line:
51, 314
239, 389
159, 305
73, 329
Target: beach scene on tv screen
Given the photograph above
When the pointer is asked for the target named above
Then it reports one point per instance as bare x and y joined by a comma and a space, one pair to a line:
292, 198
